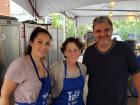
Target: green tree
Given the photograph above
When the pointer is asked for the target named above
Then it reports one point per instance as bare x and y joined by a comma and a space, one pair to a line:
57, 20
122, 27
70, 28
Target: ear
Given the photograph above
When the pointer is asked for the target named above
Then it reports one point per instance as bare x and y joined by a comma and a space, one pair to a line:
93, 32
30, 42
64, 53
81, 51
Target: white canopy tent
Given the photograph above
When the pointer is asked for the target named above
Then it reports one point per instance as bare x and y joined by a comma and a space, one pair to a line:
121, 9
83, 11
44, 7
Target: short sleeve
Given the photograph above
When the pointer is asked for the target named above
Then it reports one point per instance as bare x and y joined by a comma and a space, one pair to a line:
15, 71
133, 66
85, 61
84, 70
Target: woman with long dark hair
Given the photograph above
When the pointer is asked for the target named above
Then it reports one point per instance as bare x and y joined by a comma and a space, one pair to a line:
27, 77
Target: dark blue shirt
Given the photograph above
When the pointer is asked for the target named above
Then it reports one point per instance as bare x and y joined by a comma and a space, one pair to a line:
108, 73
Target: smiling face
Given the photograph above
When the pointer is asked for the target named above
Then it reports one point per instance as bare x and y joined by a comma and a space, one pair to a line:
103, 33
72, 52
40, 45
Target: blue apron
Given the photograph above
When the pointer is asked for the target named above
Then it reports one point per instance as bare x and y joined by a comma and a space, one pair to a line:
44, 91
72, 92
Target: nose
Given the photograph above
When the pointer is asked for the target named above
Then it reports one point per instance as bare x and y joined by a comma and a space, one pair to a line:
45, 47
73, 53
103, 33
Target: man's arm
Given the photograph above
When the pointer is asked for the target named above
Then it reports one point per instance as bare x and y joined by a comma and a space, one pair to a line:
136, 80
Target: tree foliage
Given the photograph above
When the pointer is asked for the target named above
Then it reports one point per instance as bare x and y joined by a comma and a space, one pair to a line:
122, 27
57, 20
70, 28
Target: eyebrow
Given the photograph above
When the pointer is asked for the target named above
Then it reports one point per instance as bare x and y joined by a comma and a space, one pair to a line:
42, 40
101, 29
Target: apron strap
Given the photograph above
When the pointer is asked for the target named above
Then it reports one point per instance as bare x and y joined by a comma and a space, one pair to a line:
45, 68
79, 68
36, 67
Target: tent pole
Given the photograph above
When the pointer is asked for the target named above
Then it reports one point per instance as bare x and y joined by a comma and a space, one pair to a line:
76, 27
33, 8
64, 28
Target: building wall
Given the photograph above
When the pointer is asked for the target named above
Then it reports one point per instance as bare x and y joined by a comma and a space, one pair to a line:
5, 7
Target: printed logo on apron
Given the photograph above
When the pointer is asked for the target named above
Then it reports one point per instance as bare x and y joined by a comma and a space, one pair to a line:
72, 92
73, 96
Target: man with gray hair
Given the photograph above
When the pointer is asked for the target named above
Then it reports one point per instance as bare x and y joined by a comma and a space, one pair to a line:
109, 62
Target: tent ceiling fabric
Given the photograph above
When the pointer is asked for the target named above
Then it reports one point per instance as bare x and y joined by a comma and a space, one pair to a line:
44, 7
84, 10
120, 8
25, 5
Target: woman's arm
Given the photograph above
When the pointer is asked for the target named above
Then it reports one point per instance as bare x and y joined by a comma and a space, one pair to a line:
6, 91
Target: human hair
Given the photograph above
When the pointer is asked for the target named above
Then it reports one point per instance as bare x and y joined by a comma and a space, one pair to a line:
34, 34
77, 42
102, 19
